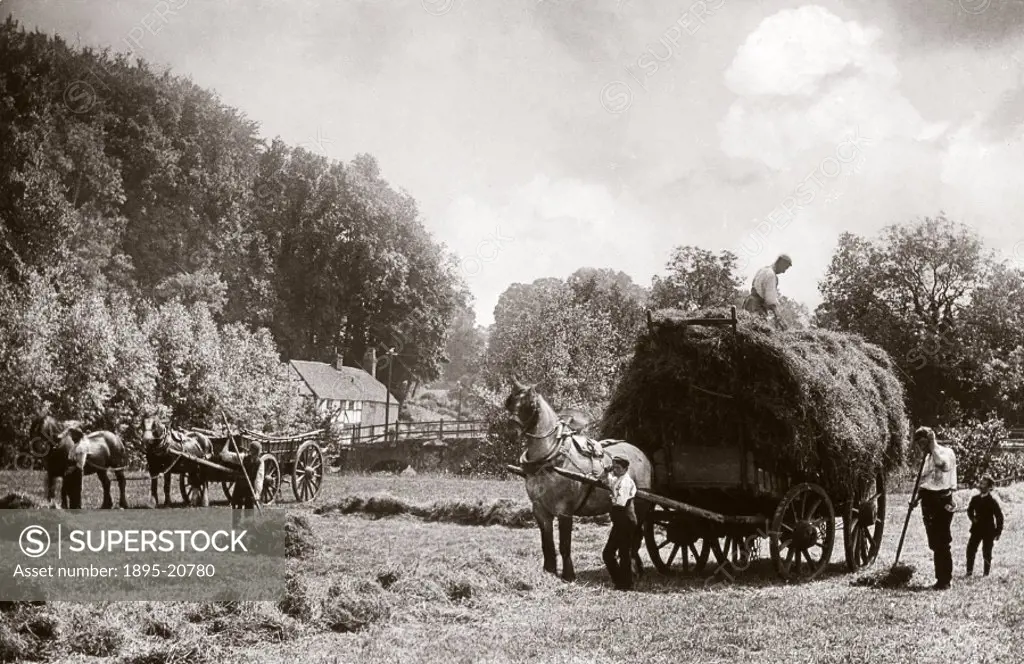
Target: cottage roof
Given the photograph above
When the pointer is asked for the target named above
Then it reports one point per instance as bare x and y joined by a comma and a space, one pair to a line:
348, 383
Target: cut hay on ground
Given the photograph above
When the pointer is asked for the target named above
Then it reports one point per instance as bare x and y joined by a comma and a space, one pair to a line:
896, 577
299, 539
816, 404
19, 501
499, 512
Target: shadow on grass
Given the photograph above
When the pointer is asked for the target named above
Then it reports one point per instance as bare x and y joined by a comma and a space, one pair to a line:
758, 574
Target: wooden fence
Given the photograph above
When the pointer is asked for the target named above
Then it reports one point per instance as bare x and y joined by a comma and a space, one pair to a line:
413, 431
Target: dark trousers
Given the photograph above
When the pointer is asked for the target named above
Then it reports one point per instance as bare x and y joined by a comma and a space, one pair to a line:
986, 540
937, 520
243, 503
618, 552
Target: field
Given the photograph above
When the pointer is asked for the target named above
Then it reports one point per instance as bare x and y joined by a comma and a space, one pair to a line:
411, 589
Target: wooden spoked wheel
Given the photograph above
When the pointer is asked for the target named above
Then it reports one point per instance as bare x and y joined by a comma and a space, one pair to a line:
732, 549
191, 485
803, 533
309, 472
271, 481
670, 542
863, 524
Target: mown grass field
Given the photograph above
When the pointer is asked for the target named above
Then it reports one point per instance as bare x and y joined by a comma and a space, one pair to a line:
405, 589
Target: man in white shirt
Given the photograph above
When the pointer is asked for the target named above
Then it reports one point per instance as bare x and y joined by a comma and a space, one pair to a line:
938, 482
764, 291
623, 533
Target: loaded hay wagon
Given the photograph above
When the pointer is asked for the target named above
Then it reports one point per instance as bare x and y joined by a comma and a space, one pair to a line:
755, 433
297, 459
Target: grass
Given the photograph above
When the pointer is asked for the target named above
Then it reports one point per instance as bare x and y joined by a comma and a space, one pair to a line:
404, 589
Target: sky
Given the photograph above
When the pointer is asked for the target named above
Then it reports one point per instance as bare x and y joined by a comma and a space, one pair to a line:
541, 136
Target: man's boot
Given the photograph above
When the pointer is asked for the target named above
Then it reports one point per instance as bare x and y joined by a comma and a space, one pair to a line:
988, 566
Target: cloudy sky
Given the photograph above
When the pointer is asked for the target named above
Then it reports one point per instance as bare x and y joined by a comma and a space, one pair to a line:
543, 136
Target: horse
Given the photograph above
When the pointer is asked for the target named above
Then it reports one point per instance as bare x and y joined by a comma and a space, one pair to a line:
73, 454
553, 444
157, 440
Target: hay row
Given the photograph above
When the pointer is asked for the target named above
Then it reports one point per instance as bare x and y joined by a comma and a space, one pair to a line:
811, 404
501, 512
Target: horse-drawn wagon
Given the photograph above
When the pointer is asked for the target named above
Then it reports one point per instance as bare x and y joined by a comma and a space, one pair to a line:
740, 457
296, 459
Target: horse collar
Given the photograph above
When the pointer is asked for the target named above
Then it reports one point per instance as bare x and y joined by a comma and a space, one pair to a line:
531, 467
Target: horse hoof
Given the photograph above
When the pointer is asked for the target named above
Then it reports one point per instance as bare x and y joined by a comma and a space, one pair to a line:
569, 578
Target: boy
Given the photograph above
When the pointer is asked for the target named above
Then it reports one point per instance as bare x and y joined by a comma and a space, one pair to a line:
986, 524
623, 532
243, 498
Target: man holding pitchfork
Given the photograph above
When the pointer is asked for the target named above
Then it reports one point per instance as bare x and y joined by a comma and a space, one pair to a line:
938, 482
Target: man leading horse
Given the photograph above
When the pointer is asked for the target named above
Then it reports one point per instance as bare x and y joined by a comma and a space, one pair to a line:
552, 443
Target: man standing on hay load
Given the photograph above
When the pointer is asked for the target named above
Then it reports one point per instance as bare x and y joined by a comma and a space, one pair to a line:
938, 482
624, 524
764, 291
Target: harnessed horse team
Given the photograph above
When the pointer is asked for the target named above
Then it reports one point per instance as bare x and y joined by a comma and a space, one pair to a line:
70, 455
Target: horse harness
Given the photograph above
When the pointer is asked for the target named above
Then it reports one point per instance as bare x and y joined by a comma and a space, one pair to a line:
565, 437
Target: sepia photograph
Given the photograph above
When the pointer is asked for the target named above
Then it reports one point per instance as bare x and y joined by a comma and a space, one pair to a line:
554, 331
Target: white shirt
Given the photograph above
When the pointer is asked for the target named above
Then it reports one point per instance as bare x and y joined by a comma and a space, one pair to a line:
623, 489
766, 284
942, 475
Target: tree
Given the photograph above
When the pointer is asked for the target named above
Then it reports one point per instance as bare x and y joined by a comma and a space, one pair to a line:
697, 279
465, 348
571, 337
918, 291
795, 315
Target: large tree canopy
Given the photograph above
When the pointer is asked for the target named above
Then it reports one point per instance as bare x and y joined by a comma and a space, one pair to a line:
147, 182
942, 306
569, 336
697, 279
125, 191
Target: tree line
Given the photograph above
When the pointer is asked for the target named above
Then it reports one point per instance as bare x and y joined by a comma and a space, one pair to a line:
136, 209
948, 311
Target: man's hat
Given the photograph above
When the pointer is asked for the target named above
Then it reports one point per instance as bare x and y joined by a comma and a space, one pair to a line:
924, 432
622, 461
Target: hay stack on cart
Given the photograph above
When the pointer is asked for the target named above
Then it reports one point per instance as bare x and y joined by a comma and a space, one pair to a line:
756, 432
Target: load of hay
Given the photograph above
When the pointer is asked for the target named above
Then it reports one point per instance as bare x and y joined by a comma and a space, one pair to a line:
812, 404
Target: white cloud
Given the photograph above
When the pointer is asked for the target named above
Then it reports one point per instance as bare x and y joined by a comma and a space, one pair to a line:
806, 79
793, 50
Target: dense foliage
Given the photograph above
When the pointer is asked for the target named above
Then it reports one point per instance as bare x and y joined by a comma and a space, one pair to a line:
154, 250
945, 309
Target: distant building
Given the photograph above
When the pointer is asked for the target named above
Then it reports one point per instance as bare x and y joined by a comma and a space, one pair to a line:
352, 395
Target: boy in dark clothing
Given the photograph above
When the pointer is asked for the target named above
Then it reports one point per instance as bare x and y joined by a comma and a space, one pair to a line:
986, 524
244, 499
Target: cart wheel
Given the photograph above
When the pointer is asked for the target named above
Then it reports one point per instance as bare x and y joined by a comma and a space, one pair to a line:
665, 535
733, 549
803, 533
191, 489
271, 479
229, 489
863, 524
308, 473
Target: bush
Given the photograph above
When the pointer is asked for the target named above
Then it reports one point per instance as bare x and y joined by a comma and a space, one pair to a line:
973, 444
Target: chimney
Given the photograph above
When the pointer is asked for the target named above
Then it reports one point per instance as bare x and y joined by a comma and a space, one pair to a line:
370, 362
339, 360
